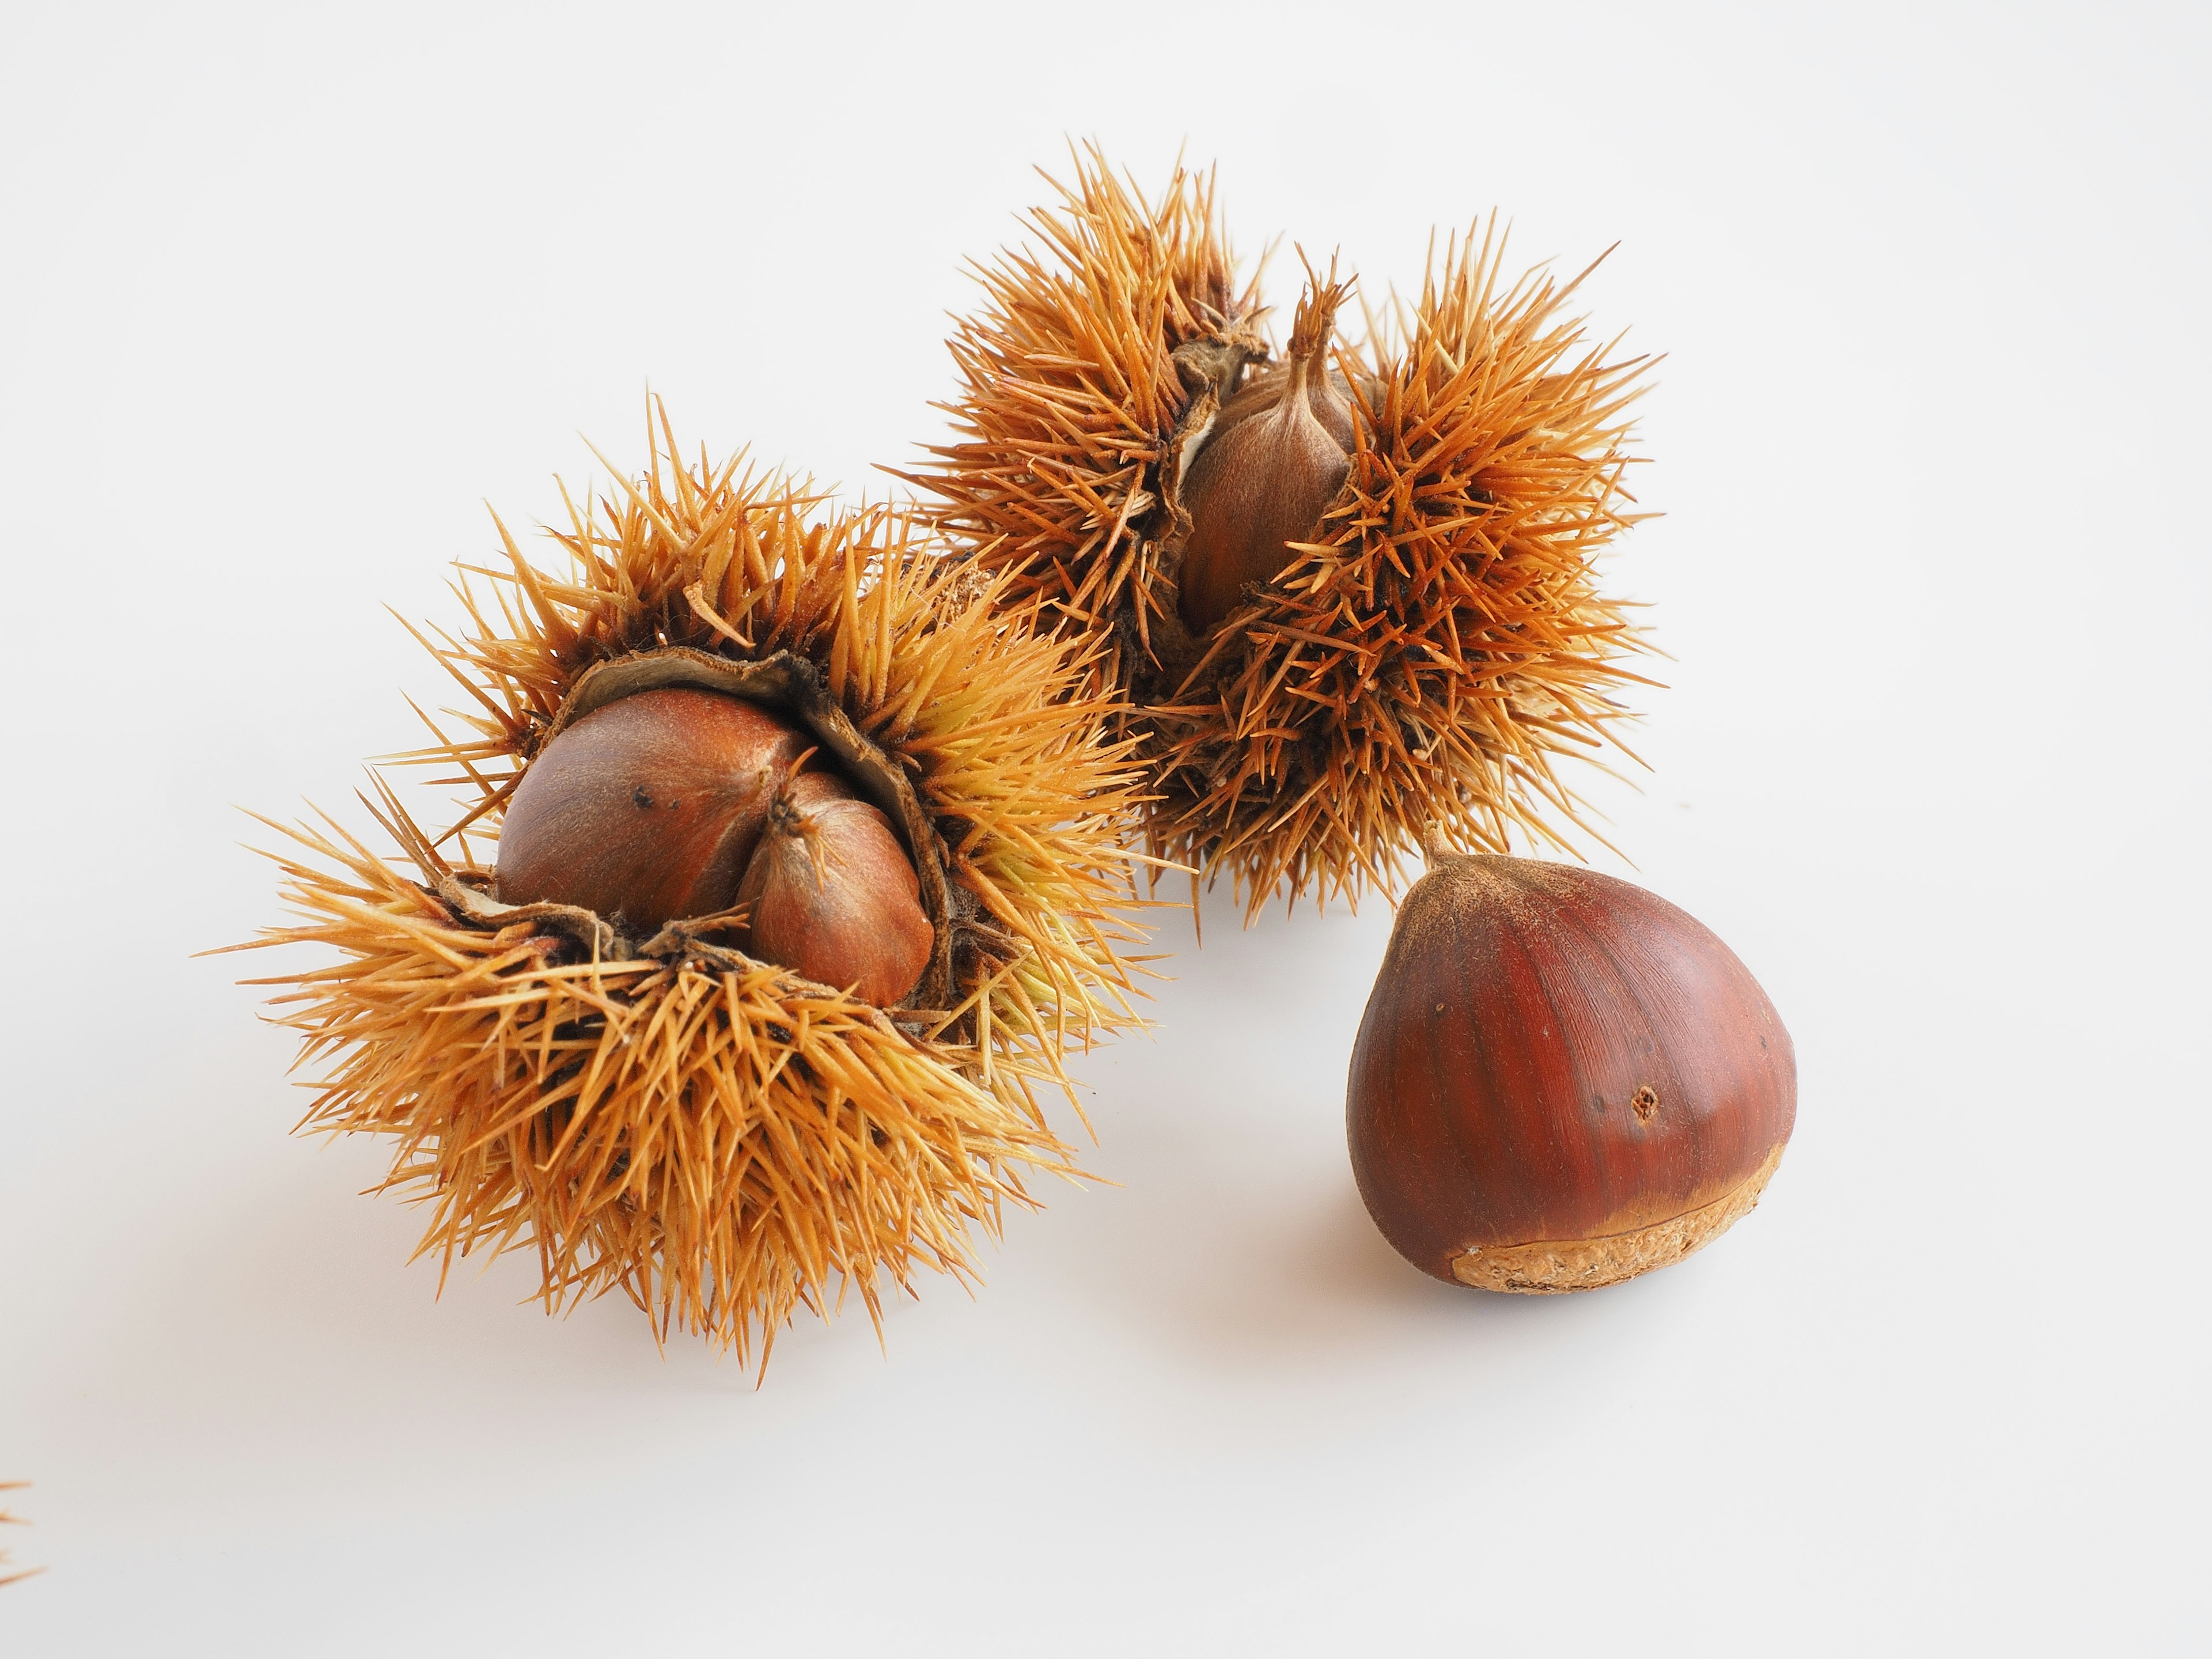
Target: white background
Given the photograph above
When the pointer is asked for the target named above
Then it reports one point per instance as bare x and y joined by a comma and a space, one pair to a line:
287, 294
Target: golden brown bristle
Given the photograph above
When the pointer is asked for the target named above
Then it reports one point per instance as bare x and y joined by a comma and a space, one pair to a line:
1331, 660
1313, 325
1090, 354
7, 1519
1414, 675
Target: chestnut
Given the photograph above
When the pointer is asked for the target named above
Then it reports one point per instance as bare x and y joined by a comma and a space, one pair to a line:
1560, 1081
1274, 460
647, 810
831, 894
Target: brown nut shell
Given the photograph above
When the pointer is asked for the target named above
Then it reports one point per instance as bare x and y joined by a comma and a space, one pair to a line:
832, 896
1560, 1081
1276, 456
647, 810
1261, 485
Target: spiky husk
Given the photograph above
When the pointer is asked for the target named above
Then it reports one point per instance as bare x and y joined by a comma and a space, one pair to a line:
8, 1520
1084, 363
724, 1141
1414, 677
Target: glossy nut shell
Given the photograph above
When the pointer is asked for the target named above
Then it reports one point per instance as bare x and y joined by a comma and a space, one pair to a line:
1275, 460
1561, 1081
833, 896
647, 810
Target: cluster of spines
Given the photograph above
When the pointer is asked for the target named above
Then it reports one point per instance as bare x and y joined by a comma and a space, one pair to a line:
726, 1145
726, 1142
1411, 678
1075, 375
1415, 675
6, 1519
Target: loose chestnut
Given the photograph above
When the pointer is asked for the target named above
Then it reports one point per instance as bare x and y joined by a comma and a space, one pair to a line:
1274, 458
1561, 1081
648, 810
832, 896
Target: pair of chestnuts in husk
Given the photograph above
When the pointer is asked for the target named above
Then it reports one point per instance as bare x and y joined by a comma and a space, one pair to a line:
806, 876
679, 805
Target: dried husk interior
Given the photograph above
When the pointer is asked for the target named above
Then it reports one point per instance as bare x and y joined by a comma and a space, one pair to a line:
722, 1140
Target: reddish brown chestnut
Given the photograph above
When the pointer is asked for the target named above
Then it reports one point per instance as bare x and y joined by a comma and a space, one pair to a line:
832, 895
1561, 1081
647, 810
1274, 460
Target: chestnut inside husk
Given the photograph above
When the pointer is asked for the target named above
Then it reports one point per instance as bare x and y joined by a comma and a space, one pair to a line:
670, 792
1265, 470
831, 895
649, 810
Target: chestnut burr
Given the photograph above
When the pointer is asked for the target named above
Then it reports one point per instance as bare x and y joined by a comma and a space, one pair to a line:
1561, 1081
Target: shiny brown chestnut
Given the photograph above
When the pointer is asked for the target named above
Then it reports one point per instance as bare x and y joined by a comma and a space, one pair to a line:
677, 804
1274, 459
1561, 1081
831, 895
648, 810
